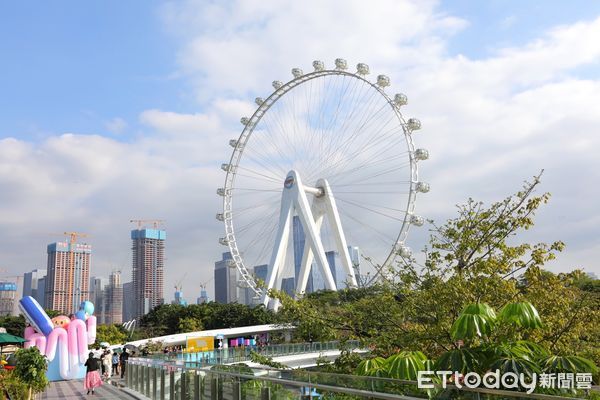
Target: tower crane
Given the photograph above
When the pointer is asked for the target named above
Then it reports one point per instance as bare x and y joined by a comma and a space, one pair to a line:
178, 286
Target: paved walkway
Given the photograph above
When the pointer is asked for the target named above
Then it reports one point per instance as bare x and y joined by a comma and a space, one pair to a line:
74, 390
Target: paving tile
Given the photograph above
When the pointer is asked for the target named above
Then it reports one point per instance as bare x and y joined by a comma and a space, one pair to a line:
74, 389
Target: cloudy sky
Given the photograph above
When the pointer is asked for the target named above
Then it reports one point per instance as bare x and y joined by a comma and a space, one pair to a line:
112, 111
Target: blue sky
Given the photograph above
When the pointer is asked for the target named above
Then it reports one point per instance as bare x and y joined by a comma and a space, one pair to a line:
72, 66
117, 110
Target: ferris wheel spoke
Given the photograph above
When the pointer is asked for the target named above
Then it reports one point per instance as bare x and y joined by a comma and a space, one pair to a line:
367, 206
274, 168
371, 210
339, 176
365, 113
368, 161
264, 175
349, 142
371, 144
380, 235
386, 172
333, 120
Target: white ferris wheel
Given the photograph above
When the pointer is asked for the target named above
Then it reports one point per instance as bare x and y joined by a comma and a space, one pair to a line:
326, 164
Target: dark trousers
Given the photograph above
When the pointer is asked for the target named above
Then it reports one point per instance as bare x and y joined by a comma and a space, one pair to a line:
123, 365
115, 367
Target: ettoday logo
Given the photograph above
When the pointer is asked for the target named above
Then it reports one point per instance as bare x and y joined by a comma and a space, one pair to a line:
507, 380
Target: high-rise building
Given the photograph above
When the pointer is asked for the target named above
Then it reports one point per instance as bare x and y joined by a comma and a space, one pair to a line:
97, 286
354, 252
340, 277
31, 285
67, 281
179, 299
8, 292
148, 247
288, 285
41, 292
128, 303
226, 289
298, 240
260, 273
203, 296
113, 299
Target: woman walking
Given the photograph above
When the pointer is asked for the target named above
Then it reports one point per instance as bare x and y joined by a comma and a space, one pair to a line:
92, 376
107, 364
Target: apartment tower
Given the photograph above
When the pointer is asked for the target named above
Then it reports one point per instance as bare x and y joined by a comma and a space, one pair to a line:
67, 281
148, 250
113, 299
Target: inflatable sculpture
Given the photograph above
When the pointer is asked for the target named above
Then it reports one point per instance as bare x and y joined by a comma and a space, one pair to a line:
63, 340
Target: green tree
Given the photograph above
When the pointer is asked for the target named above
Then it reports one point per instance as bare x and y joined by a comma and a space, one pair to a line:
14, 325
168, 319
476, 257
113, 334
189, 324
31, 369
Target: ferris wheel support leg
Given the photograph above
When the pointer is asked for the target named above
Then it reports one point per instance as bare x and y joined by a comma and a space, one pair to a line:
308, 256
281, 241
338, 232
312, 236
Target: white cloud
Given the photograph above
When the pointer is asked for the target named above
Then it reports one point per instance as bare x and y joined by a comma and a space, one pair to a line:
489, 123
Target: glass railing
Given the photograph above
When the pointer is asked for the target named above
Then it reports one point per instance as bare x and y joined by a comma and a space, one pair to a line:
241, 354
160, 380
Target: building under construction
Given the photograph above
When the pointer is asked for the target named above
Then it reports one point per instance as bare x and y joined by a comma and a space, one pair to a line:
67, 281
148, 251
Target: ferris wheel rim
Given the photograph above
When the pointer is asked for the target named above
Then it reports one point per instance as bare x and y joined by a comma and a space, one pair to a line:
244, 137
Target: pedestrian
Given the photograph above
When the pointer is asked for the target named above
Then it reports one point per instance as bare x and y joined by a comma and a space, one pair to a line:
92, 376
102, 365
107, 364
115, 364
124, 356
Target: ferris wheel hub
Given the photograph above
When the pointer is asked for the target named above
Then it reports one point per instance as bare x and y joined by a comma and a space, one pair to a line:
290, 180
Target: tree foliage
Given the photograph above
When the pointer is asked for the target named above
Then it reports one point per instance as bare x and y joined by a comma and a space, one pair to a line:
113, 334
479, 260
31, 369
14, 325
168, 319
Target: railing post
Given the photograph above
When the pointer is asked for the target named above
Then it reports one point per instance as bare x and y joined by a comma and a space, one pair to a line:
154, 382
127, 374
134, 369
265, 393
147, 379
197, 386
163, 379
237, 390
183, 384
171, 385
214, 389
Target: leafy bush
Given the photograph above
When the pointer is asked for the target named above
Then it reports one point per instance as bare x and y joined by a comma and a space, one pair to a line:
11, 387
31, 369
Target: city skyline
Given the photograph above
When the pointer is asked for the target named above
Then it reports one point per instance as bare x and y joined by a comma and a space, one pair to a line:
135, 121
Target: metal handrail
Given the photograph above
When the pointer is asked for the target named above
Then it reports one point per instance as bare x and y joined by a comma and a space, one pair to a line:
311, 380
